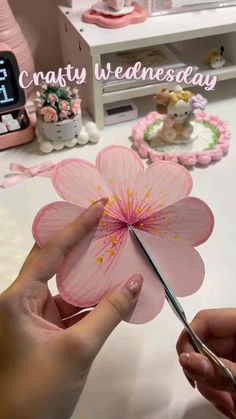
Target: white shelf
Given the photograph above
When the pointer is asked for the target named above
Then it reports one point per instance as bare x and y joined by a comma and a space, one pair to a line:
223, 74
83, 45
156, 30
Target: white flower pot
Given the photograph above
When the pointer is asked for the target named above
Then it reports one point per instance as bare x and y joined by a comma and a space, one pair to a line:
62, 130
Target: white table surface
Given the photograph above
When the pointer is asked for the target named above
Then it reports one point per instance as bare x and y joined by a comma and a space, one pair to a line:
136, 375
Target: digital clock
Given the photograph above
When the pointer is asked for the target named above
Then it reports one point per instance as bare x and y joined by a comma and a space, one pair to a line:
15, 125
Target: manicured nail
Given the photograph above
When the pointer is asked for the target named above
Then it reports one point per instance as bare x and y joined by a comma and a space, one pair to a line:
103, 201
187, 361
134, 285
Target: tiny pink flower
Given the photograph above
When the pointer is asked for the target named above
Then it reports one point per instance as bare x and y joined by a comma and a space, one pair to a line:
64, 115
52, 99
198, 102
49, 114
64, 105
76, 106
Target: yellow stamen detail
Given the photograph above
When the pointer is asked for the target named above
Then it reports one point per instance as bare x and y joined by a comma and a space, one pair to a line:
115, 240
103, 223
116, 198
177, 237
92, 201
100, 260
110, 203
106, 213
112, 252
130, 193
138, 210
148, 195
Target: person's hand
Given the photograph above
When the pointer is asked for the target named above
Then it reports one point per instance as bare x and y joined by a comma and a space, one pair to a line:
217, 329
47, 346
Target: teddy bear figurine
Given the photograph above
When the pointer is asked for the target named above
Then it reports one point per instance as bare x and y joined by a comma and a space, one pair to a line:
117, 4
178, 107
215, 58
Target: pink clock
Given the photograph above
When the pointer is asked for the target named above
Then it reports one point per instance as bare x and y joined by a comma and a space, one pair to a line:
15, 125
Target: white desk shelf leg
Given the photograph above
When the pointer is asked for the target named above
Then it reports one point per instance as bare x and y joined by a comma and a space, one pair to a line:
95, 106
77, 53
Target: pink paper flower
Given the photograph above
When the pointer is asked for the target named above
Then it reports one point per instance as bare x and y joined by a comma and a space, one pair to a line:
155, 201
76, 106
198, 102
49, 114
64, 115
64, 105
52, 99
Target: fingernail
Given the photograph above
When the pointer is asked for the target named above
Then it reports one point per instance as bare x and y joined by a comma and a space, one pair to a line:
187, 360
134, 285
103, 201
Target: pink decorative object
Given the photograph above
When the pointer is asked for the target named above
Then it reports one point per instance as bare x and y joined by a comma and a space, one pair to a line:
198, 102
203, 157
178, 106
49, 114
113, 22
154, 201
12, 35
21, 173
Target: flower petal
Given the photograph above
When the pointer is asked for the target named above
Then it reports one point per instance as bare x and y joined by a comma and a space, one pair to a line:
79, 182
190, 220
179, 263
83, 279
152, 297
83, 283
119, 166
52, 219
163, 184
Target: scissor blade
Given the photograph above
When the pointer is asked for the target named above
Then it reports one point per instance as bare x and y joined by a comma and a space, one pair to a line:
170, 297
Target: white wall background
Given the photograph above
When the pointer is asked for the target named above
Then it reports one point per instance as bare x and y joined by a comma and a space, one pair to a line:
38, 20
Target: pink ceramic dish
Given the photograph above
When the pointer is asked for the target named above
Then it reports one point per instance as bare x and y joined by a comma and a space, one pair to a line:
110, 22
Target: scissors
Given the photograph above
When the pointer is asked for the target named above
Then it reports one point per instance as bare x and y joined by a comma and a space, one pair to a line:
175, 305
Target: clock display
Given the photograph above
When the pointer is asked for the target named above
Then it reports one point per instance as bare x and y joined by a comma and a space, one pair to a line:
8, 90
11, 94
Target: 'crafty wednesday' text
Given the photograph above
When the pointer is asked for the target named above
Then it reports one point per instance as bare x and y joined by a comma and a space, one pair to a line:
71, 74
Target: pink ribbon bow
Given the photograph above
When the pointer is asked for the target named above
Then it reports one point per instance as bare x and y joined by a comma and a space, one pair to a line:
22, 173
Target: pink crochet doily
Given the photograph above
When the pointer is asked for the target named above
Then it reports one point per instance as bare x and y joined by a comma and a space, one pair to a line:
212, 142
112, 22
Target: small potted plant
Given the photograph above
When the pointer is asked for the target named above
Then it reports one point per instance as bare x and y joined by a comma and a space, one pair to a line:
59, 115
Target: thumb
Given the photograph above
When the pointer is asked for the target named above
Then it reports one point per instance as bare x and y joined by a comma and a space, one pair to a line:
200, 369
117, 305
